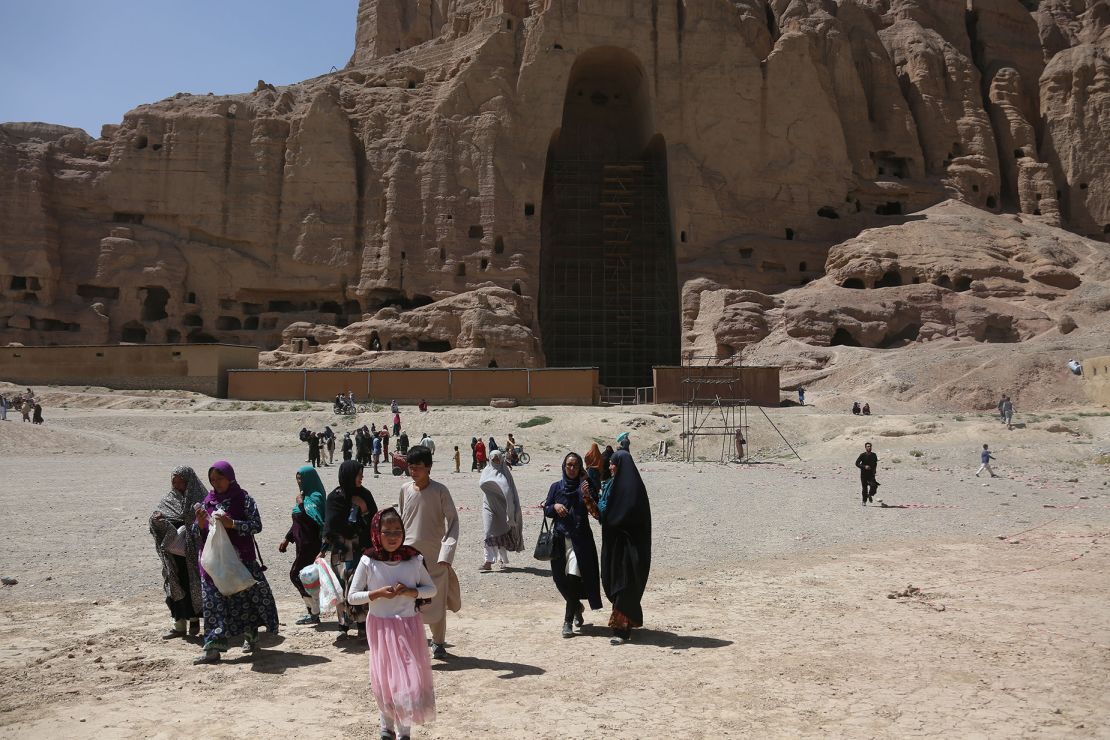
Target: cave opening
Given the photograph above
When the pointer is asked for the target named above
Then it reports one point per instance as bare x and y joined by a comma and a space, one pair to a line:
133, 332
154, 303
843, 338
608, 294
890, 279
900, 338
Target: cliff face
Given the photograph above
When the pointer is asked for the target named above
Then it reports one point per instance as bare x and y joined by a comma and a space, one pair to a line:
422, 171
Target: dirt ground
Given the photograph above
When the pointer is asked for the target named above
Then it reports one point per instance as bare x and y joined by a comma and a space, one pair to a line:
769, 610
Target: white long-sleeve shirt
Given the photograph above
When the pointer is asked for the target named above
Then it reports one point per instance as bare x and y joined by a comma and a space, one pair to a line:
370, 575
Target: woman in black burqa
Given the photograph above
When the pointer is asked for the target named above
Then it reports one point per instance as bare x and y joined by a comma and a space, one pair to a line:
348, 511
625, 545
574, 565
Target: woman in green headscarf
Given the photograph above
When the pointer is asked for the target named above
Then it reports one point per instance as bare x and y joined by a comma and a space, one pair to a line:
308, 523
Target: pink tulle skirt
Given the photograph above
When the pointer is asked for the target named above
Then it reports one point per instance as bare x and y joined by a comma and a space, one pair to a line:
401, 669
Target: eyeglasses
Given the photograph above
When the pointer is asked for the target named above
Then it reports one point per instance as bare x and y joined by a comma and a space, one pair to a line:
393, 533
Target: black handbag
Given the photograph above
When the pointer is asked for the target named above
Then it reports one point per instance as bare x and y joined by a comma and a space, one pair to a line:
545, 543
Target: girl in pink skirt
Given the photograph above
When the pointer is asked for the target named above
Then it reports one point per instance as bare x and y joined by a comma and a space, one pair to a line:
391, 577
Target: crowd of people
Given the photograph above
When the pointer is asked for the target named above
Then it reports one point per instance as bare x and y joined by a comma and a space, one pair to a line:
25, 403
395, 566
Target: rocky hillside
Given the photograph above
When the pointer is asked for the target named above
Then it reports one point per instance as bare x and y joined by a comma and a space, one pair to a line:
806, 143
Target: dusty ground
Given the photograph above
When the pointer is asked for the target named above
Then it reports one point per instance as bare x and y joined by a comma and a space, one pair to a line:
768, 610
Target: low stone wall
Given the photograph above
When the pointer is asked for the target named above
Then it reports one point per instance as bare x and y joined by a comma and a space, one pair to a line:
550, 386
760, 385
187, 367
1096, 379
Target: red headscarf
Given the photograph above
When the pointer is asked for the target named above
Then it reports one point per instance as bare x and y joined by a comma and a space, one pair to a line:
376, 551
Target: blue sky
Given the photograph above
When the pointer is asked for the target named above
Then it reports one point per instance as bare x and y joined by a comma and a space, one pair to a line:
84, 64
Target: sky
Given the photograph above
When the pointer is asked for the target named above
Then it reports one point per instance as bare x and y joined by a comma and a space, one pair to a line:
84, 64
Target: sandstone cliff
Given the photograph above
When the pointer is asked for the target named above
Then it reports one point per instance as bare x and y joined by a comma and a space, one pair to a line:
419, 175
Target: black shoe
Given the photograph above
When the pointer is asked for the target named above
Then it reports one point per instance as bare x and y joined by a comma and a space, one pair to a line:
439, 651
578, 620
568, 629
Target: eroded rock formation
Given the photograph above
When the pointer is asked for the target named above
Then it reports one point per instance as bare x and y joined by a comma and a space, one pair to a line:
399, 193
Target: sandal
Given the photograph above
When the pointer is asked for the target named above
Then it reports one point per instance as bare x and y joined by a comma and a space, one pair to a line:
208, 656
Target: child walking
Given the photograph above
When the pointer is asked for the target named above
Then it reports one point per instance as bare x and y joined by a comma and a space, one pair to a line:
432, 523
985, 458
390, 578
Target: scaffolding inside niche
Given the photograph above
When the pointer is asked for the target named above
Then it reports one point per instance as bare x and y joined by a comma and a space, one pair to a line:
610, 247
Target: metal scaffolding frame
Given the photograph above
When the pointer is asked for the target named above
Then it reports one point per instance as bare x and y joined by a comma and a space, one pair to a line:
610, 252
718, 413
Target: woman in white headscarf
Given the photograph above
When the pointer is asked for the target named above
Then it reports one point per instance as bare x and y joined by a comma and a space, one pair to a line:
501, 514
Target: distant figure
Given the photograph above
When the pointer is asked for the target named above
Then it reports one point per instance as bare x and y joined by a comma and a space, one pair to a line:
4, 408
985, 458
403, 443
376, 447
396, 421
314, 449
1008, 412
375, 344
740, 442
1001, 413
37, 419
394, 407
867, 463
1075, 366
801, 396
457, 460
427, 442
855, 408
423, 406
624, 441
480, 454
348, 445
867, 409
329, 440
26, 409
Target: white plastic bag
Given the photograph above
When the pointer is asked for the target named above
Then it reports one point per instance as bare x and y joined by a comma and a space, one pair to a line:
221, 561
310, 579
331, 590
174, 543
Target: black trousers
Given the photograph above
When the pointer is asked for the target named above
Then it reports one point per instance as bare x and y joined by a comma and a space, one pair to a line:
573, 606
182, 608
869, 487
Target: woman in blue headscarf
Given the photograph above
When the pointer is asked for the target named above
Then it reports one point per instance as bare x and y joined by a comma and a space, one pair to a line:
306, 533
574, 565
